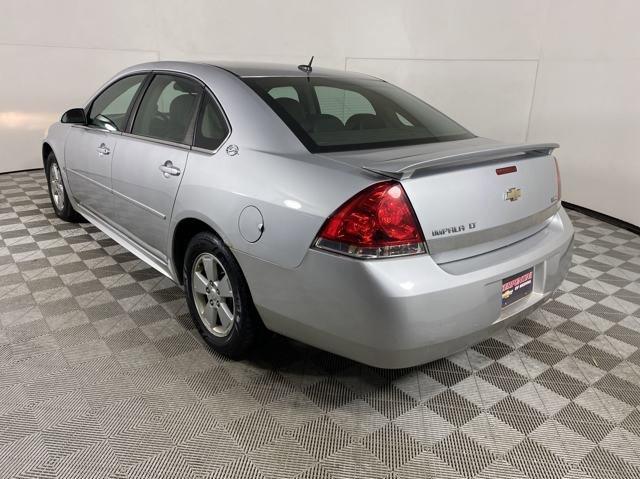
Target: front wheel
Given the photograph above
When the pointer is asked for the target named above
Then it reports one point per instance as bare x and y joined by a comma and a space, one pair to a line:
218, 296
58, 193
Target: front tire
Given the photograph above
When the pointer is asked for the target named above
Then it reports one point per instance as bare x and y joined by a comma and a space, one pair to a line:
58, 193
218, 297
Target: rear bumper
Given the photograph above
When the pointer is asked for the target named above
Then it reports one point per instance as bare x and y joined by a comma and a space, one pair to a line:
402, 312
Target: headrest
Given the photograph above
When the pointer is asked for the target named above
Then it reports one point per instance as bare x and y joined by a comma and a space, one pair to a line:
325, 122
364, 121
181, 106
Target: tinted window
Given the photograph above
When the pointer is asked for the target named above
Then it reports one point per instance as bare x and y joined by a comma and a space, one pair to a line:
109, 110
167, 109
403, 120
350, 114
284, 92
342, 103
211, 128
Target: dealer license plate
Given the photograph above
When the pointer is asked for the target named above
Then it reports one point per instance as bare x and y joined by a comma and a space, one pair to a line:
516, 287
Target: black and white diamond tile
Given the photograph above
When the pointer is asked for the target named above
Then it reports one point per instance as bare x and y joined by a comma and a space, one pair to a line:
103, 375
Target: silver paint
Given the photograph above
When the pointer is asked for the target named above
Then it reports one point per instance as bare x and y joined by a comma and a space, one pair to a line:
393, 312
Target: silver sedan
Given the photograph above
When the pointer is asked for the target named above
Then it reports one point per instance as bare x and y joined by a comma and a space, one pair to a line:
330, 207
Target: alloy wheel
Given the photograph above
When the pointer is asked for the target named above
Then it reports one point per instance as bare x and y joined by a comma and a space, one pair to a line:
213, 295
57, 188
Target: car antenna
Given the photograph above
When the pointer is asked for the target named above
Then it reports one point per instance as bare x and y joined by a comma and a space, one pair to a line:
306, 68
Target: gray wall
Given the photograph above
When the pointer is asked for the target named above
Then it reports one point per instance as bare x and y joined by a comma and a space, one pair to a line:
520, 71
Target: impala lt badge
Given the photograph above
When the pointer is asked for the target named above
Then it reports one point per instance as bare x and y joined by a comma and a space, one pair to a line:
512, 194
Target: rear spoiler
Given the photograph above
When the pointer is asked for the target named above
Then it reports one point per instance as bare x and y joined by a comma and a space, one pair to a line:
402, 168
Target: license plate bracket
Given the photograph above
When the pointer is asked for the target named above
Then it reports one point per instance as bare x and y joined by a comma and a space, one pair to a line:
517, 287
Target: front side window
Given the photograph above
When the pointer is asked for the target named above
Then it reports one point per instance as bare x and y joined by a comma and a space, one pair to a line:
110, 109
335, 114
167, 109
211, 127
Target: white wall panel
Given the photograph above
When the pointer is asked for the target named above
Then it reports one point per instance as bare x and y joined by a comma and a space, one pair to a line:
38, 84
112, 25
475, 60
593, 29
487, 29
359, 28
592, 109
281, 28
491, 98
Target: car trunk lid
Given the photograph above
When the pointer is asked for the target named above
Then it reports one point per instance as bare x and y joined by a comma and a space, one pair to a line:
473, 196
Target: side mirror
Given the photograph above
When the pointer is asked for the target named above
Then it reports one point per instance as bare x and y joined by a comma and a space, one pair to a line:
75, 115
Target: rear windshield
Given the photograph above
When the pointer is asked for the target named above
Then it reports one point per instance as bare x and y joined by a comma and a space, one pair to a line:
350, 114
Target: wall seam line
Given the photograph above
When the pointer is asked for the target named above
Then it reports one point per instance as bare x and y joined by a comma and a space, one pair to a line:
533, 99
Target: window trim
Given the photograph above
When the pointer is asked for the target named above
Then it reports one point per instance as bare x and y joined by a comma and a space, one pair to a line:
136, 105
132, 107
199, 112
188, 137
137, 101
159, 141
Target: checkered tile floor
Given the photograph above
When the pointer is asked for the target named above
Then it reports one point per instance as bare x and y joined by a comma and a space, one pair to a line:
103, 375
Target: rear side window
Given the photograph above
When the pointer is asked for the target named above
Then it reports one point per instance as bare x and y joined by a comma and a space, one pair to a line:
110, 109
167, 109
211, 127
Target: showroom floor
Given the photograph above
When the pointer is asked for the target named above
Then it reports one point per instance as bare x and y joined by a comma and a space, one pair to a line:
103, 375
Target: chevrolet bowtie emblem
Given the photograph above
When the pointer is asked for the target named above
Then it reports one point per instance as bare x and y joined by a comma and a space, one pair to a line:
512, 194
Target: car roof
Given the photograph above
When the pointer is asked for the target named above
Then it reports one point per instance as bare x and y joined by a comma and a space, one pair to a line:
248, 69
257, 69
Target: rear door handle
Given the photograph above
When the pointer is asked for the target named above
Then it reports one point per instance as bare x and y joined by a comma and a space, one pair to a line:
168, 169
103, 149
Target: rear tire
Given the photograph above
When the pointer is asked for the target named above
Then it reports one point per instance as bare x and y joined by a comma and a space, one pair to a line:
58, 192
218, 297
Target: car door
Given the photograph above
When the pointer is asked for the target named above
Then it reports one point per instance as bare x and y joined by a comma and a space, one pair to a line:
150, 160
89, 149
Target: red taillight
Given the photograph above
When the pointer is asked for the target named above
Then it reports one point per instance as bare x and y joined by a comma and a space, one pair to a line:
558, 181
377, 222
506, 170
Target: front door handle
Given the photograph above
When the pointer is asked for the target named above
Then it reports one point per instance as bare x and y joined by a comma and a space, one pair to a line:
168, 169
103, 149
